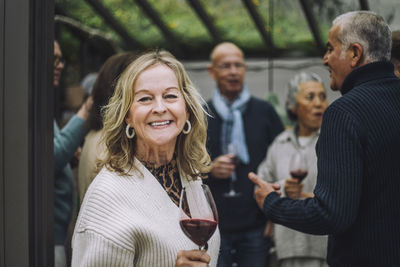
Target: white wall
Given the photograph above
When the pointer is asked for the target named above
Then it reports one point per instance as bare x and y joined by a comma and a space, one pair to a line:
257, 76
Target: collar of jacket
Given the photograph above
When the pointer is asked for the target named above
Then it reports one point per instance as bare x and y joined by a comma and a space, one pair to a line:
292, 137
369, 72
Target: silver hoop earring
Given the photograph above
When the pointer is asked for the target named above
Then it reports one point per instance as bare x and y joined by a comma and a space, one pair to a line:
189, 127
128, 134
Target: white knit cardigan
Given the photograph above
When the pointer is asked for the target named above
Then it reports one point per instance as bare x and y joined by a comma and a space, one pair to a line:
131, 221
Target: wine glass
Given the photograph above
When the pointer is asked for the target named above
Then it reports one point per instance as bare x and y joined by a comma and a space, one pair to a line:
231, 149
198, 213
298, 166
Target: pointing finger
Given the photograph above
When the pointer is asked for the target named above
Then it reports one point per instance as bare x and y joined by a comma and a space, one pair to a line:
255, 179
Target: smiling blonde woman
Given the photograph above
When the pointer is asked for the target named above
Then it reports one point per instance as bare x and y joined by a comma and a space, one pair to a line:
155, 134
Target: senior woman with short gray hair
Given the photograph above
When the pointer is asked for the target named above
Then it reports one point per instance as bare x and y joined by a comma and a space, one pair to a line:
305, 105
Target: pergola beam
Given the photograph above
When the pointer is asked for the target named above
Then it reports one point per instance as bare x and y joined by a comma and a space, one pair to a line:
83, 32
156, 19
114, 24
97, 39
364, 5
206, 19
312, 23
258, 21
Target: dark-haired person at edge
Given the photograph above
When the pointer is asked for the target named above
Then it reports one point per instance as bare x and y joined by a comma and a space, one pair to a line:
395, 55
66, 142
155, 133
250, 124
356, 199
103, 89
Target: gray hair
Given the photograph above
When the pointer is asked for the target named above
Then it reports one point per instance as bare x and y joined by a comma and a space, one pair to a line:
367, 29
293, 89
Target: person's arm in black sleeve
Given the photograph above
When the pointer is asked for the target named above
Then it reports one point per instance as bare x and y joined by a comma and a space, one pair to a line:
337, 193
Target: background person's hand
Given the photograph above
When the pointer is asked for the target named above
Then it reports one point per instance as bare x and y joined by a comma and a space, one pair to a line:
222, 166
263, 189
293, 188
192, 258
84, 110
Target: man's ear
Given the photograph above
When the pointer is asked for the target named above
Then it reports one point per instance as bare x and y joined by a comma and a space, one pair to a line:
356, 52
211, 71
397, 68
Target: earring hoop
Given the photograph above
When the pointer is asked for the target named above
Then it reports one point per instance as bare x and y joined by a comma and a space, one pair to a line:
189, 127
128, 134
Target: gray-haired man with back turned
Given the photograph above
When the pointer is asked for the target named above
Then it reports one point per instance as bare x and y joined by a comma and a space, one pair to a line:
357, 200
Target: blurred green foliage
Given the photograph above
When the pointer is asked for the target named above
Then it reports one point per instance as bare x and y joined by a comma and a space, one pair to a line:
290, 29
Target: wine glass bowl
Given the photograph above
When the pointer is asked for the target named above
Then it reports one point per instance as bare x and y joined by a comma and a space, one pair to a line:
298, 166
198, 213
231, 149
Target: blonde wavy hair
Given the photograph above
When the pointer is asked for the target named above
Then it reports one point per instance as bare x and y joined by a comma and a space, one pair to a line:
192, 156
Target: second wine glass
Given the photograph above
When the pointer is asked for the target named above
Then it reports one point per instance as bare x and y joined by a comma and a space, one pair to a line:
298, 165
198, 213
231, 149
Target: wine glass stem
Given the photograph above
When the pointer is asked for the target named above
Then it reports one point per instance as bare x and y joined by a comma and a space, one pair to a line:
233, 177
232, 182
231, 187
205, 247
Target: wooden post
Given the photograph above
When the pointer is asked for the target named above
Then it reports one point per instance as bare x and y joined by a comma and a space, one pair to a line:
364, 5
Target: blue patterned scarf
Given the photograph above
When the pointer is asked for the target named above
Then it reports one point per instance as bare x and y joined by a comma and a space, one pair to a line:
232, 126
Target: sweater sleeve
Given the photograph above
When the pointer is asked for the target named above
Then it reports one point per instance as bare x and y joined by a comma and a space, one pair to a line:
67, 141
337, 193
92, 249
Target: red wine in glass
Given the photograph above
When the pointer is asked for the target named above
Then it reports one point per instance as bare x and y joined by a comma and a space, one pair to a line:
299, 174
198, 230
198, 213
298, 166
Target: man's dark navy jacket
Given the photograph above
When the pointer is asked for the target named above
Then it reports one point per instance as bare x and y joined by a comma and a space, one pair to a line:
357, 196
262, 125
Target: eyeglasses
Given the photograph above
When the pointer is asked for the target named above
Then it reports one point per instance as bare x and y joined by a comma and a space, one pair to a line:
58, 60
228, 66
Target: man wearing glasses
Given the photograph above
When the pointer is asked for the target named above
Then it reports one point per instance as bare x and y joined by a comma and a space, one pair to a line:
66, 142
248, 125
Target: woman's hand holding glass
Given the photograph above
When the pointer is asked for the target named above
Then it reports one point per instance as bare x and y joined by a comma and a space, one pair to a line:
192, 258
293, 188
298, 168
